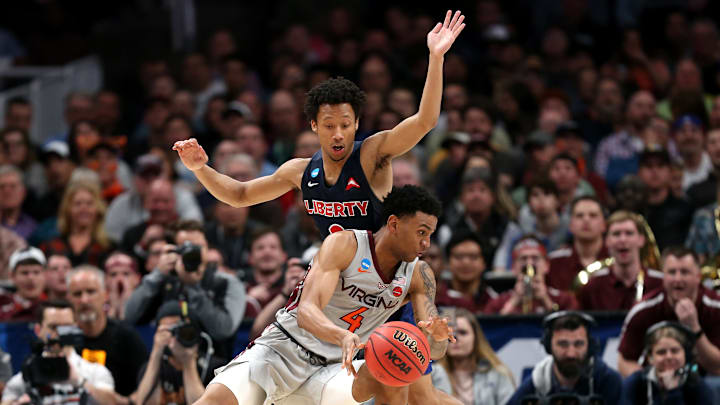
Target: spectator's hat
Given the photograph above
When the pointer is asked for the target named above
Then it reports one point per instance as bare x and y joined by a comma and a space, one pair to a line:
27, 255
148, 165
169, 308
685, 120
537, 139
237, 108
568, 129
57, 148
655, 154
461, 138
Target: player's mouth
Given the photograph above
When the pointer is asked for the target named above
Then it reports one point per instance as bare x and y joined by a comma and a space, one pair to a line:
338, 149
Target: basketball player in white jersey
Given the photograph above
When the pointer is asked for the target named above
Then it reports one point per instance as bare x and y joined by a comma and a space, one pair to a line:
357, 280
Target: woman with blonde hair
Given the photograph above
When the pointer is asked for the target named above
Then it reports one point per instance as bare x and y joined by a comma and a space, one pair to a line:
81, 219
476, 373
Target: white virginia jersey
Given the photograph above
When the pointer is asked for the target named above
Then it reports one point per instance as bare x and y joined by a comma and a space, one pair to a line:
362, 300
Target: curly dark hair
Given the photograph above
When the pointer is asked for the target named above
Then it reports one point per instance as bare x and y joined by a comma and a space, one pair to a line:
408, 200
333, 91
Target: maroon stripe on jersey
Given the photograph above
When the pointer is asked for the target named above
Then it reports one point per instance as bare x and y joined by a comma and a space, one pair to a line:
379, 271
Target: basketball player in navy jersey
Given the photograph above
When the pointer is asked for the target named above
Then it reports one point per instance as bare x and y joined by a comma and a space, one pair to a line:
344, 183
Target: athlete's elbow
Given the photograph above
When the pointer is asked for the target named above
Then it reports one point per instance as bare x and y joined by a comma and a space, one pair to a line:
303, 316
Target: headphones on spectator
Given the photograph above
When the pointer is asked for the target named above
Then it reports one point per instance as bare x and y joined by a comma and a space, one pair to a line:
690, 338
587, 321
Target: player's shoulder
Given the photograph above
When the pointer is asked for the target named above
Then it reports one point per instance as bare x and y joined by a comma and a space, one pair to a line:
346, 239
293, 166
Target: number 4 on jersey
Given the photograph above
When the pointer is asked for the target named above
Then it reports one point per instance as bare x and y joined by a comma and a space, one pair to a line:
354, 318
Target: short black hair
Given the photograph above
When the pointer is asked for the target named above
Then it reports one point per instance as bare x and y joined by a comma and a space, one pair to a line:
570, 322
58, 304
337, 90
544, 183
568, 157
16, 100
262, 231
461, 237
592, 198
679, 251
408, 200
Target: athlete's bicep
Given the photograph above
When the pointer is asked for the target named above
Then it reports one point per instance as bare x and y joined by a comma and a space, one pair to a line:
422, 292
287, 177
335, 254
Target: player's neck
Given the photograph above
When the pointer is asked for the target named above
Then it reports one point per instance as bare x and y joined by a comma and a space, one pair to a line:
332, 168
387, 259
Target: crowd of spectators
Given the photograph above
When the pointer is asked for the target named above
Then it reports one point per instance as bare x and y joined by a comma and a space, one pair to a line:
567, 137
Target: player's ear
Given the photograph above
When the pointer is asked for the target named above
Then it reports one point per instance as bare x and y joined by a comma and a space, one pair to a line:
357, 124
313, 126
392, 223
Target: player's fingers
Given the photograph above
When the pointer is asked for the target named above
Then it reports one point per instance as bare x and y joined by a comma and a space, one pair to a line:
437, 28
360, 346
458, 30
454, 19
447, 19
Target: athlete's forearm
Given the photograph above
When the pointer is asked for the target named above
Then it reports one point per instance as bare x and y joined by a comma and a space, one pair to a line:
313, 320
222, 187
429, 109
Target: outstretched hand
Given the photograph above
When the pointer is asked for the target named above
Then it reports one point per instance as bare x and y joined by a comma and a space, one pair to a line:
350, 345
438, 329
191, 153
443, 35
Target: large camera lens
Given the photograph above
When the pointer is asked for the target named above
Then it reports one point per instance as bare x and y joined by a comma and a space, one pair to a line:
191, 255
186, 334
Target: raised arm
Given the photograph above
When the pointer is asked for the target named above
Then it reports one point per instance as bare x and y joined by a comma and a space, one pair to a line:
422, 297
410, 131
335, 254
240, 193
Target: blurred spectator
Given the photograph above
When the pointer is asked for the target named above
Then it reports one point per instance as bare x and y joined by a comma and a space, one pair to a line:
573, 367
19, 152
80, 222
689, 137
121, 277
178, 128
683, 299
306, 144
299, 232
108, 342
476, 373
668, 216
235, 75
294, 272
251, 140
235, 116
703, 237
79, 106
149, 132
174, 372
704, 192
56, 271
14, 192
215, 256
182, 103
84, 135
160, 205
216, 300
448, 165
108, 114
27, 267
211, 126
435, 258
230, 230
478, 210
617, 155
540, 216
587, 226
9, 243
687, 79
115, 175
197, 77
539, 149
58, 169
155, 249
602, 115
264, 278
18, 113
285, 121
530, 293
670, 377
565, 173
466, 287
569, 139
623, 283
85, 378
224, 150
405, 171
127, 209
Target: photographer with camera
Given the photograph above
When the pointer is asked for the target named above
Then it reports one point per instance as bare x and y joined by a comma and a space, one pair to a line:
216, 300
55, 374
177, 372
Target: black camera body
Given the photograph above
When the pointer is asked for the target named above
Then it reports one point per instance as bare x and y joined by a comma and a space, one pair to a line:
186, 333
191, 256
40, 370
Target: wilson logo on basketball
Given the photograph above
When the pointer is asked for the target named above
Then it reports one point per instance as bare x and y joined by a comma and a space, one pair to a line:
410, 343
397, 362
397, 291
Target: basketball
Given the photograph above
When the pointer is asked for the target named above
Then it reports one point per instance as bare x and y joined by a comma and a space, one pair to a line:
397, 354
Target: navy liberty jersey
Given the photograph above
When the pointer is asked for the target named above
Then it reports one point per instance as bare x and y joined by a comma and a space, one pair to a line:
348, 204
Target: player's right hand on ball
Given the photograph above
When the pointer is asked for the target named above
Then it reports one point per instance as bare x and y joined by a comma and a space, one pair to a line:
350, 344
191, 153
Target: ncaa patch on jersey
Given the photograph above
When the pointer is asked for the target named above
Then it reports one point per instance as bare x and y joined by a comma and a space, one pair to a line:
365, 264
314, 173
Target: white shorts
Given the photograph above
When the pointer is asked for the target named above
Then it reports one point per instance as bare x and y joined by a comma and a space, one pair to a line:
285, 377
